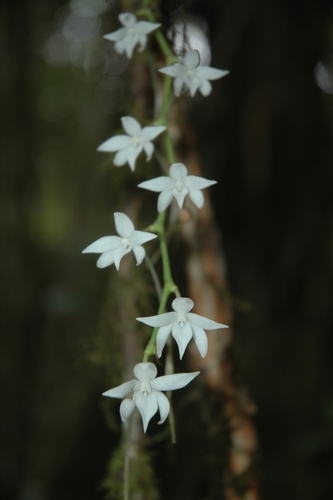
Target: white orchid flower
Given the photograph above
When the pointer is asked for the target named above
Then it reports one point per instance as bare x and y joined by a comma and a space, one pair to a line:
132, 33
192, 75
183, 325
130, 146
145, 392
113, 248
177, 185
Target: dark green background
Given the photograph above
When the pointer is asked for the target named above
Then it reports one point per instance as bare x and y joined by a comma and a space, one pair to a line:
265, 134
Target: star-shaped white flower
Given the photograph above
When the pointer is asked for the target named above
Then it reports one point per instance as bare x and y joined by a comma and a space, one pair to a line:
113, 248
132, 33
130, 146
145, 392
191, 74
178, 185
183, 325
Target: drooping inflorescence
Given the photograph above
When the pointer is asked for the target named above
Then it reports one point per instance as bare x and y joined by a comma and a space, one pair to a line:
145, 391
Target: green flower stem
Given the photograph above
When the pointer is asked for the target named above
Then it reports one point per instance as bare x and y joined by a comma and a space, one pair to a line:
158, 226
127, 459
162, 41
160, 229
169, 285
169, 369
154, 277
169, 147
151, 346
166, 98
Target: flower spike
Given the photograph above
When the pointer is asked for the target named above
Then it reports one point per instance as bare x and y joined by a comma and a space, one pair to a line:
183, 325
145, 392
178, 185
190, 74
130, 146
132, 33
113, 248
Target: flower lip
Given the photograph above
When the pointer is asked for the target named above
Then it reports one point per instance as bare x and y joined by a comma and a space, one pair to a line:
125, 242
179, 185
145, 388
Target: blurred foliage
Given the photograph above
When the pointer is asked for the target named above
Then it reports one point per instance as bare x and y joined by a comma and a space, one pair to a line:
142, 482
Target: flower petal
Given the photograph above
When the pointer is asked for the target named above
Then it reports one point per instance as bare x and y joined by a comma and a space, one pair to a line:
139, 253
118, 254
180, 195
178, 85
173, 382
208, 73
197, 197
163, 405
158, 184
120, 158
126, 408
148, 148
105, 260
205, 323
150, 133
193, 83
124, 225
131, 126
160, 319
182, 305
120, 45
195, 182
145, 27
145, 372
178, 171
176, 71
192, 59
115, 143
143, 39
206, 87
121, 391
131, 42
117, 35
133, 153
182, 335
200, 338
127, 19
147, 406
104, 244
141, 237
164, 200
161, 338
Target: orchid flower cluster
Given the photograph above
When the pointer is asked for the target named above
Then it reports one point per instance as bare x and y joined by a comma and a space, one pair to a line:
145, 391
